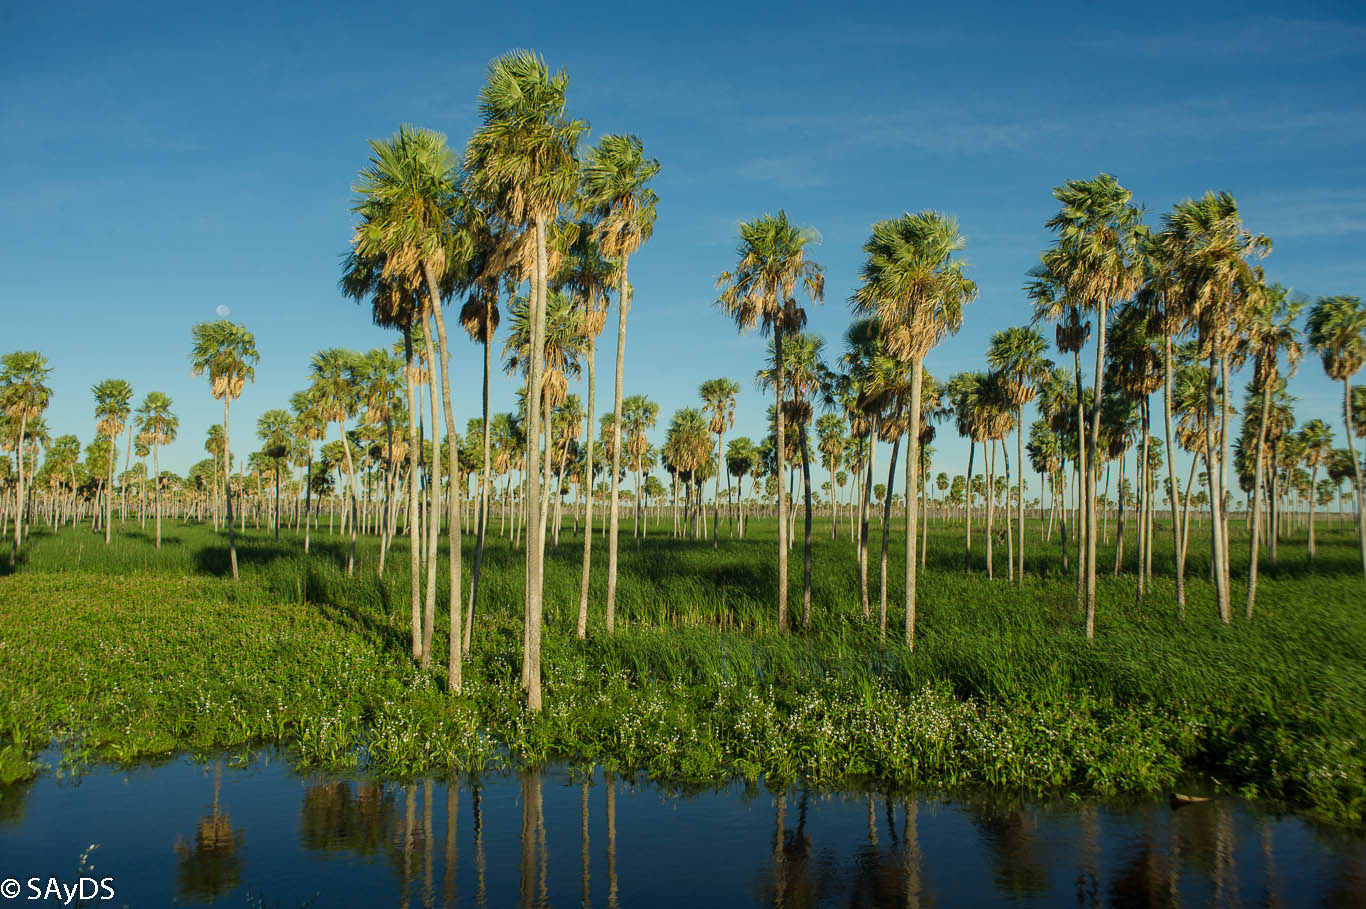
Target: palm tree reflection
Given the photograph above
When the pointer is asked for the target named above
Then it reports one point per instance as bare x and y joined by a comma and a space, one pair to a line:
211, 865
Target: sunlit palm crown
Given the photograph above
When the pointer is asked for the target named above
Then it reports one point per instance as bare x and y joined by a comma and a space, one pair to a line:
521, 160
113, 404
1210, 254
761, 291
1096, 259
687, 442
911, 282
155, 419
407, 203
718, 402
565, 344
1269, 332
23, 394
615, 175
227, 352
1016, 354
335, 375
1337, 332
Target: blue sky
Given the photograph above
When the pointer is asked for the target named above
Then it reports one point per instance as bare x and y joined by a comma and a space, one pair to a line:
163, 160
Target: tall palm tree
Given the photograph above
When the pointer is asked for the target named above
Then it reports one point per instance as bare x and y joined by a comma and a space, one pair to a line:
113, 404
24, 396
522, 160
740, 454
159, 425
761, 293
1211, 250
1316, 438
309, 426
615, 190
1016, 354
1269, 333
1096, 262
718, 403
638, 417
591, 276
1337, 332
830, 429
335, 384
1134, 367
916, 287
273, 428
226, 351
408, 204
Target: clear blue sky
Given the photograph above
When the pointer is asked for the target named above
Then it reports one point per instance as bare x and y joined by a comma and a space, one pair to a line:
163, 160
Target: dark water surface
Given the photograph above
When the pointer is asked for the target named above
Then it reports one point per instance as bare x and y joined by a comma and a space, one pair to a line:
259, 834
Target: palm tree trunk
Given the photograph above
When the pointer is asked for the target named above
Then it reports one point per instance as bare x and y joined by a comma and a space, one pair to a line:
623, 307
806, 534
781, 421
109, 497
1356, 469
912, 502
453, 671
227, 494
1083, 506
536, 530
1091, 479
886, 532
864, 497
19, 492
1313, 497
967, 517
1216, 497
414, 454
1257, 500
1019, 499
991, 506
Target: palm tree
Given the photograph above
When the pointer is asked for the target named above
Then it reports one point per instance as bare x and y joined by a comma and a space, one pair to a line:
638, 417
408, 204
916, 288
113, 404
335, 387
1134, 367
830, 429
273, 428
1269, 331
718, 403
615, 178
1017, 356
740, 455
1337, 332
1210, 251
522, 159
1095, 262
1316, 438
590, 276
23, 398
160, 426
761, 293
227, 352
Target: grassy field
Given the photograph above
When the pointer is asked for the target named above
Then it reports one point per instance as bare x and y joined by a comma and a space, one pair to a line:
126, 653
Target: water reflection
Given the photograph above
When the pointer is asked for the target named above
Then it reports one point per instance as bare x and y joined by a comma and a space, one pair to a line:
211, 865
542, 839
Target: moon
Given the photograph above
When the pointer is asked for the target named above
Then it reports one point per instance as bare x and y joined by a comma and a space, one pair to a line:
223, 310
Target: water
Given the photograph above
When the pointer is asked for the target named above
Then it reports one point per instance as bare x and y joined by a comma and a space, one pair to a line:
259, 834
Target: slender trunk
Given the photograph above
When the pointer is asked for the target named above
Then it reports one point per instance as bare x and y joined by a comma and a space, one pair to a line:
886, 532
227, 493
1356, 469
779, 418
1313, 496
1091, 479
912, 503
967, 547
623, 307
991, 506
536, 529
109, 496
453, 670
1216, 503
806, 533
1019, 499
414, 454
1257, 500
1081, 525
864, 496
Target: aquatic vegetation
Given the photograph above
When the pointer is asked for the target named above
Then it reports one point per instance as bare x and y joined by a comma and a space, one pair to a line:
133, 653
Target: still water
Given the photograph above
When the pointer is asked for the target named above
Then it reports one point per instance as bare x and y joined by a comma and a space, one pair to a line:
258, 834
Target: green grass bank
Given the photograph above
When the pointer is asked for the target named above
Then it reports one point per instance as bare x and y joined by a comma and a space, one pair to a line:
126, 653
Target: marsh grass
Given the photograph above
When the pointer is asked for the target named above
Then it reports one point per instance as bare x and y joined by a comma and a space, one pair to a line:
128, 652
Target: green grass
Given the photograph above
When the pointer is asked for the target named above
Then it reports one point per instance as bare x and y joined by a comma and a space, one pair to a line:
126, 652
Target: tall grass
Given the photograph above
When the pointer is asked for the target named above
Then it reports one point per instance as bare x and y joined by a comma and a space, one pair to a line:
128, 651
